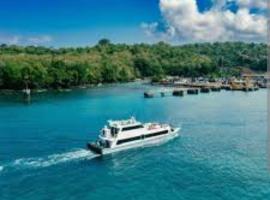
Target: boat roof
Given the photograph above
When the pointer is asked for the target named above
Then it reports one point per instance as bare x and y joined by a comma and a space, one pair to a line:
123, 123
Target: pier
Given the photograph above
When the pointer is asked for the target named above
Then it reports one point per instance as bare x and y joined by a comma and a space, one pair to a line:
179, 89
205, 85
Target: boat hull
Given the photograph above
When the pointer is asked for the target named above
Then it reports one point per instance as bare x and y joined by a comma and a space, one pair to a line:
140, 143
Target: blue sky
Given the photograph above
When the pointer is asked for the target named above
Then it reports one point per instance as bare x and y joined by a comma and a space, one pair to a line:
84, 22
78, 22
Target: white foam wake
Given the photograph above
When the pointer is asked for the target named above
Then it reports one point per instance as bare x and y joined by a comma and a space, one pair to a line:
1, 168
53, 159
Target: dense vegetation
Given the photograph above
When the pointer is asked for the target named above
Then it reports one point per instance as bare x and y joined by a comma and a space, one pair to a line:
41, 67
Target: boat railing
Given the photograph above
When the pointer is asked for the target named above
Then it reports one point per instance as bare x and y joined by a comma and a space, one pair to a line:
157, 126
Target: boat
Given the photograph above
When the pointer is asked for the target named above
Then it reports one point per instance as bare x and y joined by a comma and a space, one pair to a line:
125, 134
148, 95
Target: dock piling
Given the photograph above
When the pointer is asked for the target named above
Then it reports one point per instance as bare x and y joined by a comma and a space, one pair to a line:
193, 91
178, 93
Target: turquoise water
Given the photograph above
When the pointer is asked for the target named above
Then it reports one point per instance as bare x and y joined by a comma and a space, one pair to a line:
221, 153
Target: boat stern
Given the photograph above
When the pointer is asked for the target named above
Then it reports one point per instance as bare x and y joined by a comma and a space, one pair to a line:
94, 148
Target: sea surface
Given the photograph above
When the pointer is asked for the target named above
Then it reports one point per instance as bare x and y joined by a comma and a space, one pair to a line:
221, 153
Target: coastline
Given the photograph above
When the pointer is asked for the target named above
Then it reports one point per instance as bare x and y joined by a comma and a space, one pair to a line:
70, 89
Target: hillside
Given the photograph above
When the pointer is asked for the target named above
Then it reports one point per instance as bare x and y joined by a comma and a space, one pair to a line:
41, 67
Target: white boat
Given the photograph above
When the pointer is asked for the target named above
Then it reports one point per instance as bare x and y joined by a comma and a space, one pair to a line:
126, 134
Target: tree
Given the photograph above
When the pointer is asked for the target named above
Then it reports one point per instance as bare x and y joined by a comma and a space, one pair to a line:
104, 42
42, 67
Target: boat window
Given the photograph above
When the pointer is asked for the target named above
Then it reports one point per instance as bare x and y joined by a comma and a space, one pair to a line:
114, 130
156, 134
104, 143
142, 137
132, 127
107, 144
128, 140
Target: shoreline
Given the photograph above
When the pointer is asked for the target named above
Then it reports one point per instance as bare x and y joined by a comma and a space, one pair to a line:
62, 90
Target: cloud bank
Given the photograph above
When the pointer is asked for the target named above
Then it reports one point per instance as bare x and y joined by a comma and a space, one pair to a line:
183, 22
23, 40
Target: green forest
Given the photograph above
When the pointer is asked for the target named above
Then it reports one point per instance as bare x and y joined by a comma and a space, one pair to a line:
40, 67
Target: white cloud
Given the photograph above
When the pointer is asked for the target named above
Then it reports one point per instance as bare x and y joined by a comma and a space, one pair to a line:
39, 39
184, 22
152, 30
261, 4
149, 28
24, 40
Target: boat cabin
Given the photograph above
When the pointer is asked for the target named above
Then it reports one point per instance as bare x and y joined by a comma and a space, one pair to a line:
116, 127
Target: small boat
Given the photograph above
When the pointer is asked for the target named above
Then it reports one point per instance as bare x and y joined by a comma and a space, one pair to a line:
126, 134
162, 94
148, 95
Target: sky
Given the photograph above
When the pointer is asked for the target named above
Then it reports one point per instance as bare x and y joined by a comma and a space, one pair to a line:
60, 23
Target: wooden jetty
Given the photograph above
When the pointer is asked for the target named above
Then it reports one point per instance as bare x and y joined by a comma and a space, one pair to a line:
235, 84
243, 85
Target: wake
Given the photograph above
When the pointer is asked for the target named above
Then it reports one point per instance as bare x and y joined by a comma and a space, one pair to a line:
53, 159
